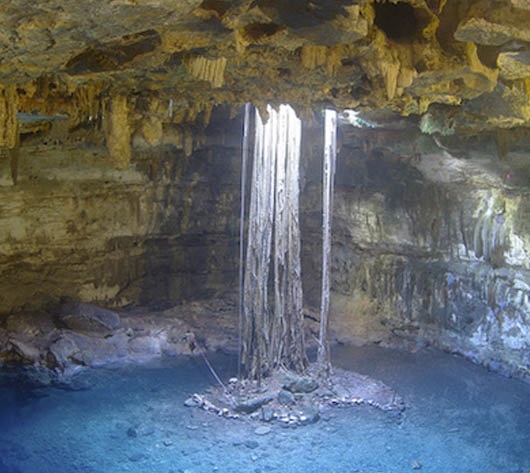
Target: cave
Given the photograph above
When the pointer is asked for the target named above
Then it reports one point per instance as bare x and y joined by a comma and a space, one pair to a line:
152, 224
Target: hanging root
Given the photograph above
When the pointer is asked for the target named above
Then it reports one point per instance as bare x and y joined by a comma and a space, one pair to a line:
193, 345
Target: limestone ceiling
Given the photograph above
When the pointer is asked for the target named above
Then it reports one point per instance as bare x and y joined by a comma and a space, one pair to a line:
461, 64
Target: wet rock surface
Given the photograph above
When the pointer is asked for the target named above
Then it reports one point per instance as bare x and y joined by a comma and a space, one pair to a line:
94, 336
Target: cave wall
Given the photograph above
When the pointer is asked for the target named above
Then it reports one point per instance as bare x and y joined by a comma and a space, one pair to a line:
429, 247
163, 230
431, 243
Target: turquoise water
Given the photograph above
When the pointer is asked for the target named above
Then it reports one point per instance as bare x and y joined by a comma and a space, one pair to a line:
460, 418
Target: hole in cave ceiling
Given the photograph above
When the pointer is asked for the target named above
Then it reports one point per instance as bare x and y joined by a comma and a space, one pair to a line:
400, 21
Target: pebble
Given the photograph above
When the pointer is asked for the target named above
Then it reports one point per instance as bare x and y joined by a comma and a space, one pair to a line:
267, 414
146, 431
191, 402
262, 430
136, 457
252, 444
285, 397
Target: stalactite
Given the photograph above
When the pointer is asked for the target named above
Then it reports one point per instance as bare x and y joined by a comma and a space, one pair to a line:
152, 130
187, 142
8, 117
390, 73
9, 127
86, 103
313, 56
151, 124
210, 70
179, 115
208, 107
14, 155
118, 132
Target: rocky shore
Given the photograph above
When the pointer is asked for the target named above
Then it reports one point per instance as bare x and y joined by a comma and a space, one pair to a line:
54, 346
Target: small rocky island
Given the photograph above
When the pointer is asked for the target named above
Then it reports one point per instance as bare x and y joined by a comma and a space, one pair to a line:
293, 400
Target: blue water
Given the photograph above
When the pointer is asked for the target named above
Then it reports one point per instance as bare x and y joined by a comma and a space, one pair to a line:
460, 418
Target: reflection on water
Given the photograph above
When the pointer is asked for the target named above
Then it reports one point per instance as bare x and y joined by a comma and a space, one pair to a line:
460, 418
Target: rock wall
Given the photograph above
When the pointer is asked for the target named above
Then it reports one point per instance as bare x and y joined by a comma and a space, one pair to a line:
429, 247
158, 232
431, 238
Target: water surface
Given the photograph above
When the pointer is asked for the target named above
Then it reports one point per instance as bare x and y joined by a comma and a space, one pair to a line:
460, 418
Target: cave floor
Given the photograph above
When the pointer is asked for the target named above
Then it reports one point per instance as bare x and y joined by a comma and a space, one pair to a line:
459, 418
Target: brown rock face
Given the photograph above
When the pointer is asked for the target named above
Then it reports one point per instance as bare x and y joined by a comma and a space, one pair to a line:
404, 55
120, 151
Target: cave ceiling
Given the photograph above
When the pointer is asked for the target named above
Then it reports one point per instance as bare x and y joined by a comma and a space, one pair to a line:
457, 65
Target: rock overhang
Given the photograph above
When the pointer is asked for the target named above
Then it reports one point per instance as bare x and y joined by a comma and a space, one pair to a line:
405, 57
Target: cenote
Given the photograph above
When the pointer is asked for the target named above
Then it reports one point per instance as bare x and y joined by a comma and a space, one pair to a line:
459, 417
255, 236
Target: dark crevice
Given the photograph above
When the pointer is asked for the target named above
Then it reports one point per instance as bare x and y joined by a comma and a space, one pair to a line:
488, 55
450, 16
256, 32
114, 54
400, 21
217, 7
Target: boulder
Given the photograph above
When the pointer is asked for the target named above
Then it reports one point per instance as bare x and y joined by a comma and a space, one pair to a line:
89, 319
308, 415
299, 384
64, 350
253, 404
286, 397
267, 414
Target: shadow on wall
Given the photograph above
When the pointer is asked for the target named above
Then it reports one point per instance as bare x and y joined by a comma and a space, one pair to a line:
162, 231
190, 248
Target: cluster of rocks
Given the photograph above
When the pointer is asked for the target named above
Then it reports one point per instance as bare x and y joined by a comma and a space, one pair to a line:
53, 347
293, 400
